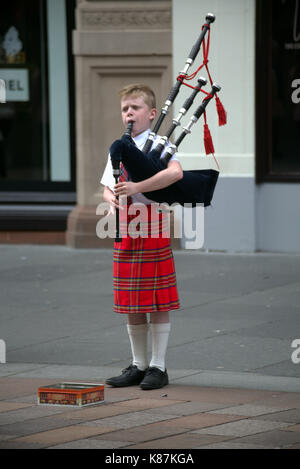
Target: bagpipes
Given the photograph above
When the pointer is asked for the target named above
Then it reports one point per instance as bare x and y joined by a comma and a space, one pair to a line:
196, 186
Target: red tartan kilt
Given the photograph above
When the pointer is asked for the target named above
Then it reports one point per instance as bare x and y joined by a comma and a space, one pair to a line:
143, 268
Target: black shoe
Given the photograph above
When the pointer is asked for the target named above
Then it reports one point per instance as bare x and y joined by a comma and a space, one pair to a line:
154, 379
130, 376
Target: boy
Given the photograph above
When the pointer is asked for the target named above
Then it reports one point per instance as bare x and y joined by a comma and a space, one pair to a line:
144, 272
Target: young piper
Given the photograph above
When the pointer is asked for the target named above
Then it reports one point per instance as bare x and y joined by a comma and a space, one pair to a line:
144, 271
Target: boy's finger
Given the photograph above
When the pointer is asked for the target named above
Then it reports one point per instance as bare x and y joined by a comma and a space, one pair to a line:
117, 204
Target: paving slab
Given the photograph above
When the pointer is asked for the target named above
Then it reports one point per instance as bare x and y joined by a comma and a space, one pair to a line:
291, 416
185, 441
61, 435
294, 428
244, 427
250, 410
144, 433
232, 444
130, 420
275, 439
91, 443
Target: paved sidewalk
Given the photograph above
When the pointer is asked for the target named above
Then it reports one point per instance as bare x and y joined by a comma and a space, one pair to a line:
177, 416
233, 383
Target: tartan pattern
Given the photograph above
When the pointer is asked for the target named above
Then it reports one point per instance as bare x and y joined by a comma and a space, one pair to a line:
144, 276
123, 173
139, 220
143, 267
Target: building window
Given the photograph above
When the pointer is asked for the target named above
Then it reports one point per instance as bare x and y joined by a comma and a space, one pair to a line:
278, 91
35, 127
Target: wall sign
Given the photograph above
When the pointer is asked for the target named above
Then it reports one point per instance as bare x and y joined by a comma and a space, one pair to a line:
16, 83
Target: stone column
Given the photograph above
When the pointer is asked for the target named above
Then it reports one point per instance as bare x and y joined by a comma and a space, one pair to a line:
115, 43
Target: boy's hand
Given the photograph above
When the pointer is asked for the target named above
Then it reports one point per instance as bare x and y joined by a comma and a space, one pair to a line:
126, 188
114, 203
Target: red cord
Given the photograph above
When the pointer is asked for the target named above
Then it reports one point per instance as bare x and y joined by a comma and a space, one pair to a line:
182, 78
209, 147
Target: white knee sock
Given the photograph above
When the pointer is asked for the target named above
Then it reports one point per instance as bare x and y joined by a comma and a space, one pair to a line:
138, 340
160, 335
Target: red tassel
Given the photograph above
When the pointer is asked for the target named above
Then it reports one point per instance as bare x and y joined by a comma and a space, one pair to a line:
208, 143
221, 112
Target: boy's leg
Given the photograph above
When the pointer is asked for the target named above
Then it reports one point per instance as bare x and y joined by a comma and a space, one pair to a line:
156, 376
137, 328
137, 318
160, 329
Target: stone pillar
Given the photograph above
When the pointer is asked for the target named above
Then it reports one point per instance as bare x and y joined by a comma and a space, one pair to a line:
115, 43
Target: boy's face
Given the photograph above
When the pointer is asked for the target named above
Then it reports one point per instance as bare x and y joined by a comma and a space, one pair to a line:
136, 110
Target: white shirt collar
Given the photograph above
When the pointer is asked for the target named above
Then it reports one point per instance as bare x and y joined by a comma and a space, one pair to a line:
140, 139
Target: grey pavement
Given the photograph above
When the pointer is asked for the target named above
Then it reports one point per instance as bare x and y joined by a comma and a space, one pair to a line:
239, 316
233, 383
